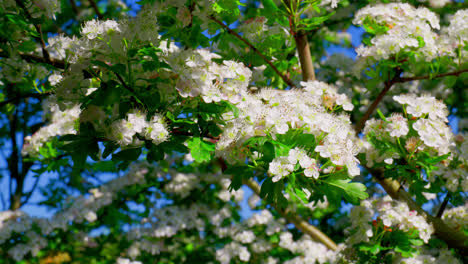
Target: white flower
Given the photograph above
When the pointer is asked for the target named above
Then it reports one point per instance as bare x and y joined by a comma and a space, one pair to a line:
94, 28
91, 216
279, 168
398, 126
55, 78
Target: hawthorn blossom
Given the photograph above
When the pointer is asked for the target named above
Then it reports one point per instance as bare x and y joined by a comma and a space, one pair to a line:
279, 168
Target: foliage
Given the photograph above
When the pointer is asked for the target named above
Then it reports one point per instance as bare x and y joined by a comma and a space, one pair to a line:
156, 118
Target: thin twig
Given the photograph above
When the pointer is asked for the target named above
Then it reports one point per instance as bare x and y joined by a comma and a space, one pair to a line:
4, 206
96, 9
246, 42
389, 84
373, 106
302, 225
443, 206
22, 96
298, 222
409, 79
74, 7
29, 194
124, 84
35, 58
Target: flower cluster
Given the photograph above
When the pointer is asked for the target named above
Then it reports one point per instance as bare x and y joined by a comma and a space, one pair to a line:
393, 214
125, 130
62, 123
398, 214
426, 117
283, 166
273, 112
441, 255
77, 210
200, 76
457, 217
436, 3
309, 250
406, 27
454, 37
454, 172
255, 30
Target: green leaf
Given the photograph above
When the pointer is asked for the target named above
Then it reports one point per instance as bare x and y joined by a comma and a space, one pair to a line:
381, 115
127, 154
314, 22
109, 148
416, 242
353, 191
200, 150
239, 174
156, 153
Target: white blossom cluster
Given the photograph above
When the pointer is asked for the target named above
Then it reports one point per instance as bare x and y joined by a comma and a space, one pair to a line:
36, 8
332, 3
428, 117
275, 112
398, 214
305, 249
231, 250
436, 3
455, 37
392, 213
199, 75
127, 261
61, 123
283, 166
457, 217
309, 250
441, 255
407, 26
257, 30
411, 29
79, 209
454, 171
432, 130
124, 130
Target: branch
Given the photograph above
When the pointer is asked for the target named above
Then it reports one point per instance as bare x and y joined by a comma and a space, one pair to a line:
373, 106
96, 9
443, 206
13, 164
302, 225
125, 84
35, 58
22, 96
29, 194
298, 222
453, 238
303, 49
4, 206
409, 79
389, 84
302, 44
74, 7
45, 53
246, 42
